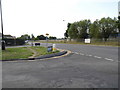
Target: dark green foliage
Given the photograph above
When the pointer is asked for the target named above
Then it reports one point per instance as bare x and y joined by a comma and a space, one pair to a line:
95, 30
52, 38
99, 29
25, 37
41, 37
107, 27
66, 34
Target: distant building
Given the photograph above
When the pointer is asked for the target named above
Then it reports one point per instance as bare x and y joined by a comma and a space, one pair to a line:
119, 8
9, 37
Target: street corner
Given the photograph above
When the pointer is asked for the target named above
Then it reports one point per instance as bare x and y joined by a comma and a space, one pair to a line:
68, 52
60, 54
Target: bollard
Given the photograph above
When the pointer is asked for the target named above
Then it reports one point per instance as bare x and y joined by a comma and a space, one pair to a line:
54, 47
49, 48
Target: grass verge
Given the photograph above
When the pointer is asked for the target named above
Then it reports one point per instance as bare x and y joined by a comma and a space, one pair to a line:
102, 43
42, 51
23, 52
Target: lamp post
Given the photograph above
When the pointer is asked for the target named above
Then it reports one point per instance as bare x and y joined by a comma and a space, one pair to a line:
3, 42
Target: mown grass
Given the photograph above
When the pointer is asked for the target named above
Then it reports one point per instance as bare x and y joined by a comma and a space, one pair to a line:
42, 51
23, 52
16, 53
98, 43
0, 54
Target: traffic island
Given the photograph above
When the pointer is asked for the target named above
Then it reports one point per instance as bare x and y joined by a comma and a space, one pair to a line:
33, 55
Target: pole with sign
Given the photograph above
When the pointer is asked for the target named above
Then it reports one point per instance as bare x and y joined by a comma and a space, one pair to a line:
2, 42
47, 39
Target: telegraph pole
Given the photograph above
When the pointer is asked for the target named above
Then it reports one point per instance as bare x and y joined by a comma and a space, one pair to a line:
3, 42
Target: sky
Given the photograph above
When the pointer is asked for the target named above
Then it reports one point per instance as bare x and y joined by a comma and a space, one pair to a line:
51, 16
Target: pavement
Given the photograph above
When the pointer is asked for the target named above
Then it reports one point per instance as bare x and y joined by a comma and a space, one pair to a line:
86, 67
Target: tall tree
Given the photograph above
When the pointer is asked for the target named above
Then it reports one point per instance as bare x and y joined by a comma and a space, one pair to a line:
72, 31
41, 37
84, 28
95, 30
25, 37
52, 38
66, 34
107, 25
32, 37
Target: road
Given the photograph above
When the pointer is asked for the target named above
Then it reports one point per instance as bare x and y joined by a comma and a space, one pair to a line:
86, 67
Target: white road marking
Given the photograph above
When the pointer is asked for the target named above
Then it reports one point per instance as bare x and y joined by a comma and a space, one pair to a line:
76, 53
108, 59
31, 60
90, 55
97, 57
82, 54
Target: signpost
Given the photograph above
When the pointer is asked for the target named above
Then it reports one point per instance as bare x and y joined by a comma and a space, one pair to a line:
2, 42
47, 39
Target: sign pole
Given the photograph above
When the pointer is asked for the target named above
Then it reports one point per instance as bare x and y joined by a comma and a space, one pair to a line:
3, 42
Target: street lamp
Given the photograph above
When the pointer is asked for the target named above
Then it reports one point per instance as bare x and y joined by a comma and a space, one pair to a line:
3, 42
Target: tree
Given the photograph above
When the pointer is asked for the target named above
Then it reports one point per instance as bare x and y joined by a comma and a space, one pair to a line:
95, 30
84, 28
32, 37
107, 25
66, 32
101, 29
41, 37
118, 23
52, 38
116, 29
25, 37
72, 31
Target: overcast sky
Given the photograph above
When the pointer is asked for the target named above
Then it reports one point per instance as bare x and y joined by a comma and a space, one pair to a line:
46, 16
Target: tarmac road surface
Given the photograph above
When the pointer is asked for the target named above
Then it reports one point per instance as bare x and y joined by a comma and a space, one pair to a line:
86, 67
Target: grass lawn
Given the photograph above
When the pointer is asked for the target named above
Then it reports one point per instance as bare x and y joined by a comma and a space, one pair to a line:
23, 52
42, 51
108, 43
16, 53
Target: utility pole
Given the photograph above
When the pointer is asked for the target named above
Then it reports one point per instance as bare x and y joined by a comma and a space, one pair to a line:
3, 42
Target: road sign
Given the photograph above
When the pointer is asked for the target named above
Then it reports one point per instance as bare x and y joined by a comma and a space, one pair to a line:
47, 34
87, 40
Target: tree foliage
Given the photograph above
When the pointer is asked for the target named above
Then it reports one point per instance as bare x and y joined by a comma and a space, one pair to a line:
41, 37
25, 37
52, 38
101, 29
